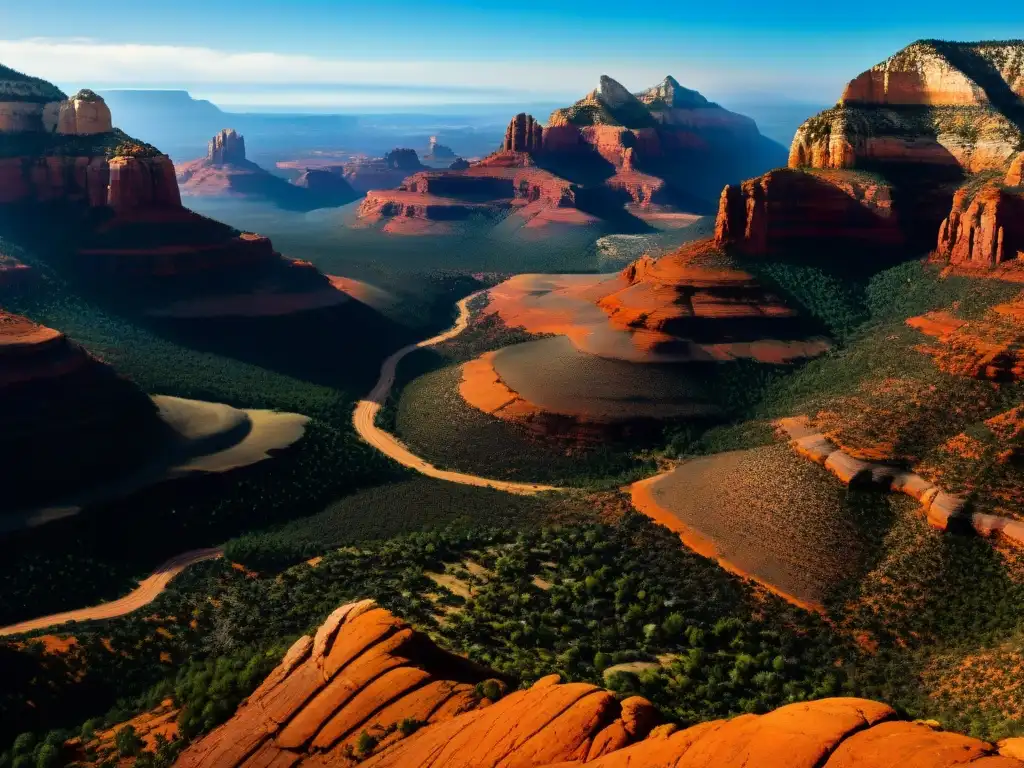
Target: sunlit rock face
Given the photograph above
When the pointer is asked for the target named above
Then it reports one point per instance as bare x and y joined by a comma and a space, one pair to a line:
365, 671
933, 103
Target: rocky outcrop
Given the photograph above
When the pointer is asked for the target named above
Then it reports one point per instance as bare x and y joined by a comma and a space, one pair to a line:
458, 164
984, 229
670, 94
1015, 174
66, 419
226, 148
89, 181
931, 72
524, 134
402, 160
788, 210
367, 672
225, 172
84, 114
946, 105
686, 306
142, 183
944, 511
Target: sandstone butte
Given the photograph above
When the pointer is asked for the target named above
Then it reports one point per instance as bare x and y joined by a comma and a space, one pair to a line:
690, 305
911, 129
225, 172
365, 671
64, 415
123, 199
661, 155
686, 307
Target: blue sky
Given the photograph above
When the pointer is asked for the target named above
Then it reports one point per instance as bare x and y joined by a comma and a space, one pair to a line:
313, 52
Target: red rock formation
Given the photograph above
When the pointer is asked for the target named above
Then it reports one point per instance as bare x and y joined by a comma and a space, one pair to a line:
226, 172
226, 148
947, 105
1015, 175
91, 181
366, 671
683, 307
142, 183
524, 134
652, 155
985, 230
787, 210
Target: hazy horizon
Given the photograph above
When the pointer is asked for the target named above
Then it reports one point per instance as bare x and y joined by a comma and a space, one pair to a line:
321, 56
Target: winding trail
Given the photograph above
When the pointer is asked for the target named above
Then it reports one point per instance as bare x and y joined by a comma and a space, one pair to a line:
363, 419
147, 591
365, 416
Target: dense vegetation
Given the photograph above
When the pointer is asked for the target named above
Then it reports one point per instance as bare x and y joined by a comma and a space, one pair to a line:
43, 144
82, 559
428, 414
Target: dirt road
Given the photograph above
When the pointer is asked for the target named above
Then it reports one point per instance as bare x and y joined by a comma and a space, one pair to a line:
147, 591
365, 416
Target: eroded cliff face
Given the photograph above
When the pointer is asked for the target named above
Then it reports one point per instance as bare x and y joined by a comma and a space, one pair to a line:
984, 230
787, 210
366, 671
226, 148
933, 103
612, 157
68, 151
524, 134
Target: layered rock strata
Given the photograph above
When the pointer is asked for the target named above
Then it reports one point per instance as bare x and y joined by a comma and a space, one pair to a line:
985, 229
631, 160
786, 210
934, 103
366, 672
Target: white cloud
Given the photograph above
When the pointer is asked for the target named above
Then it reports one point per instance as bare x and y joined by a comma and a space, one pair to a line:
111, 64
